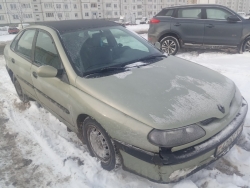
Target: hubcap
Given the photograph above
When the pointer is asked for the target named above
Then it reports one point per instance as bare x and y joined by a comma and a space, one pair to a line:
247, 46
18, 88
168, 46
98, 144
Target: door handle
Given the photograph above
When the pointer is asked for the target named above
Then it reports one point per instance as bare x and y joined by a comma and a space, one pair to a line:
210, 25
177, 24
34, 74
13, 60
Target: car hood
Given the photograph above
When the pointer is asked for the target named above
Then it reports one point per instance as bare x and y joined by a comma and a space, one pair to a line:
170, 93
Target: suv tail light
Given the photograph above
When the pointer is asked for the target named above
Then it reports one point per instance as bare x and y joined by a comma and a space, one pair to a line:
154, 21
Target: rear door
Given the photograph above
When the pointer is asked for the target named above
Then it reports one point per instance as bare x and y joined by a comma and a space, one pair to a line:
52, 92
218, 31
189, 25
21, 60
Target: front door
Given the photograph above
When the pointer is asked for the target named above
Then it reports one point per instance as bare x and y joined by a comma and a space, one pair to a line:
218, 31
189, 25
51, 92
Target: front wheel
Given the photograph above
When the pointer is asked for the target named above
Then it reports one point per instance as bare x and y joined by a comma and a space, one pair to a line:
170, 45
246, 45
99, 144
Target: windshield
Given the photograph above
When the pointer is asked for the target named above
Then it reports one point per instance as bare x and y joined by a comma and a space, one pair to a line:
95, 49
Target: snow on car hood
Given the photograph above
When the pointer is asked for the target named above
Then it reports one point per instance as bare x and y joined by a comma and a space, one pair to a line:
168, 94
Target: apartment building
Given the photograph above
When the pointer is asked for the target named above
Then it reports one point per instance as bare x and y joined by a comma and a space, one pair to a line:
31, 11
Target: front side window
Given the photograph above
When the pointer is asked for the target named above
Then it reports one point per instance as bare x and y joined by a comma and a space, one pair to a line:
45, 51
193, 13
24, 45
217, 14
95, 49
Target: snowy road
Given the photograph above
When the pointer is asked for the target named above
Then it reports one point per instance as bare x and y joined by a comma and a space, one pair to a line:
37, 151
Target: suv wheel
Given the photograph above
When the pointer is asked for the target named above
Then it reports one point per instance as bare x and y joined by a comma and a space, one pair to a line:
24, 98
170, 45
100, 144
246, 46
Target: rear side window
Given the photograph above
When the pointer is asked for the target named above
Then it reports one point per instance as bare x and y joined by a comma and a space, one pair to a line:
45, 51
24, 45
217, 14
166, 12
14, 42
194, 13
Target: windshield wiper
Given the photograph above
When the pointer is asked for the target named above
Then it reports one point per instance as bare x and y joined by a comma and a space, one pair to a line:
150, 57
105, 69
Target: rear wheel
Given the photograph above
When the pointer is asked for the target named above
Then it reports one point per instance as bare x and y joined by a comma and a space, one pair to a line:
246, 45
100, 144
170, 45
24, 98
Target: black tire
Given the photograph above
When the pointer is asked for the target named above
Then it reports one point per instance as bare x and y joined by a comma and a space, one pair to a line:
170, 45
23, 97
105, 144
246, 45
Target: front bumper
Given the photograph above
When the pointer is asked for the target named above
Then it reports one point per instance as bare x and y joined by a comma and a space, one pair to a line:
167, 166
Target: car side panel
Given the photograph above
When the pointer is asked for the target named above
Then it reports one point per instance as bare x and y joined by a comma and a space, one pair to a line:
117, 124
21, 69
190, 30
156, 31
222, 33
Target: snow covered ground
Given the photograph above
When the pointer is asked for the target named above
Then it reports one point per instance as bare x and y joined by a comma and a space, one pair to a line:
37, 151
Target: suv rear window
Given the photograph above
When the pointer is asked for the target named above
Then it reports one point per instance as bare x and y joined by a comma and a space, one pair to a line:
189, 13
166, 12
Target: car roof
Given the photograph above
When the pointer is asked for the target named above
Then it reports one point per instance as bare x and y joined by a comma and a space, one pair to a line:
195, 5
65, 26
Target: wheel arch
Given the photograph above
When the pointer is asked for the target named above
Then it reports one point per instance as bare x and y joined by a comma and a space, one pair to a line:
172, 34
243, 40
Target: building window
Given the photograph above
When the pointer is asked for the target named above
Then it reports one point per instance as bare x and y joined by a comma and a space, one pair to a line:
27, 15
85, 5
1, 17
75, 6
66, 6
49, 14
58, 6
115, 5
59, 15
67, 15
48, 5
86, 14
35, 5
108, 5
93, 5
12, 6
26, 5
15, 17
76, 15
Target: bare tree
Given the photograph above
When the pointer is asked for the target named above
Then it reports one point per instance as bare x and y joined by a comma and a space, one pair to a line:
17, 11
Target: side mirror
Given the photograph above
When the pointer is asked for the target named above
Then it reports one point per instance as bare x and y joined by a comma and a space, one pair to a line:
158, 45
233, 18
47, 71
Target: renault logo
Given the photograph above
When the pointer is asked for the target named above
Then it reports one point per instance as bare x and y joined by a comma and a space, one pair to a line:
221, 108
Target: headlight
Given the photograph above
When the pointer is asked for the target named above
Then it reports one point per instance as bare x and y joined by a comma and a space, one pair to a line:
175, 137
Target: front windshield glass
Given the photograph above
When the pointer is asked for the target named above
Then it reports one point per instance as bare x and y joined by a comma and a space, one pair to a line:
94, 49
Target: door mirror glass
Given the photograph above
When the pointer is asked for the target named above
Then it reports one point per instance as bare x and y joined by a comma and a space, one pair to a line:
158, 45
233, 18
47, 71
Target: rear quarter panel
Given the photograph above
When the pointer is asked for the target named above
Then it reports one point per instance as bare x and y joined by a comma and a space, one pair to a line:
161, 28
